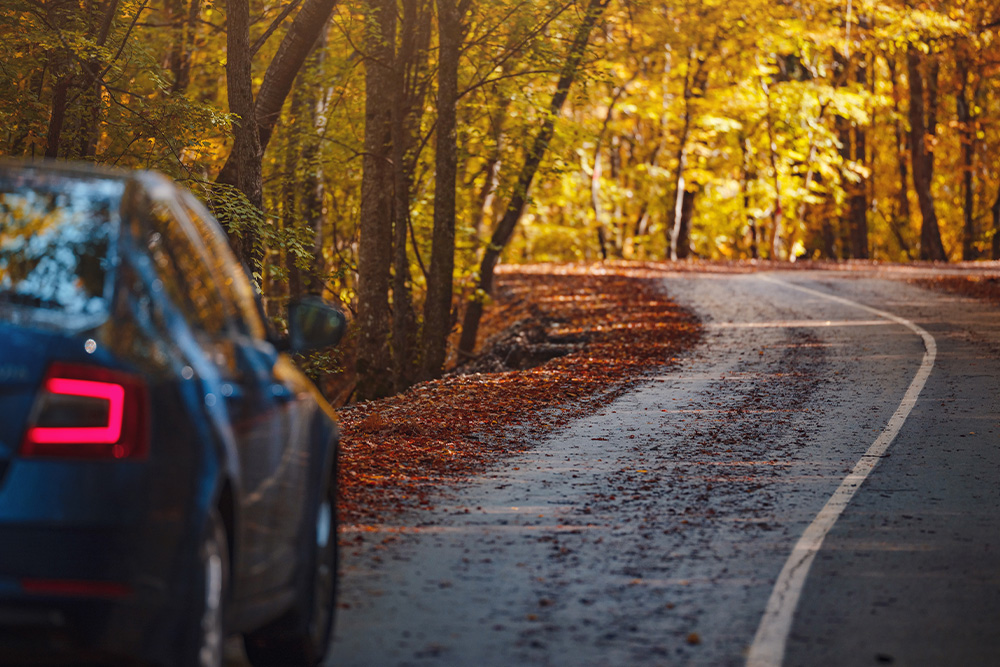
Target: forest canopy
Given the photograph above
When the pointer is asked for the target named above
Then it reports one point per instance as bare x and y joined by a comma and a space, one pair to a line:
389, 154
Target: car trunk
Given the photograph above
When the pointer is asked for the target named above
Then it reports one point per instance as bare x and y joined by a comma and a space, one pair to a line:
24, 356
58, 232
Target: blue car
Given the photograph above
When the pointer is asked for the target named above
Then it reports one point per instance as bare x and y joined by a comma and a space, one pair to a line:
167, 474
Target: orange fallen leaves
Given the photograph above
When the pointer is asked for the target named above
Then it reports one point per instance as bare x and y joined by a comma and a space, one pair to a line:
986, 287
397, 451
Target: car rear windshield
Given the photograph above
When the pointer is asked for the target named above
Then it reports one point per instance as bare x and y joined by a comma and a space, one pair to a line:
56, 236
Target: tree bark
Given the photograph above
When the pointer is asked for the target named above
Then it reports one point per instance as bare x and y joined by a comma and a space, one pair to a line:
57, 117
303, 180
311, 206
968, 136
680, 230
600, 218
515, 208
904, 214
437, 306
281, 72
406, 114
777, 213
64, 72
858, 222
747, 175
89, 132
488, 193
922, 159
180, 57
246, 151
843, 127
375, 244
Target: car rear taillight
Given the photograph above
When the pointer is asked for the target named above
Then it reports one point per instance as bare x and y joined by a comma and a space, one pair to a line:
88, 412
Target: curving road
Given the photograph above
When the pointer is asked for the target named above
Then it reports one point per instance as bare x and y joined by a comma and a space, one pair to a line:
818, 484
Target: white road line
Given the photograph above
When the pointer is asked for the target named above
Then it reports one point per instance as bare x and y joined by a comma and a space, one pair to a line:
768, 648
796, 324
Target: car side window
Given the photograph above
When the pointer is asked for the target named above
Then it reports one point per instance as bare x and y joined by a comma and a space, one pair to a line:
233, 282
186, 278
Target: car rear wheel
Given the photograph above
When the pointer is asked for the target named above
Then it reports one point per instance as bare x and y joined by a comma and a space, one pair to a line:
302, 636
206, 636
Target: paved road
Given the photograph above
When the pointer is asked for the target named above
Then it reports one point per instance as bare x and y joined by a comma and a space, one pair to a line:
655, 531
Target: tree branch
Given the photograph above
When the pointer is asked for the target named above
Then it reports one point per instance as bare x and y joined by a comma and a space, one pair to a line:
274, 26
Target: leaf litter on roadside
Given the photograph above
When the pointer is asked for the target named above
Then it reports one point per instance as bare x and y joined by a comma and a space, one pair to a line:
578, 336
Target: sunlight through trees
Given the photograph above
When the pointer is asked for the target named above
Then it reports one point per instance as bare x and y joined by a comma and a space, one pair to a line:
390, 153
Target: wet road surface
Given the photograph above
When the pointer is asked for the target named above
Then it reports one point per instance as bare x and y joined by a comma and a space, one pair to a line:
654, 532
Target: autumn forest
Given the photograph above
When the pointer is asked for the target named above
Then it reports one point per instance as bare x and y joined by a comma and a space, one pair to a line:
389, 154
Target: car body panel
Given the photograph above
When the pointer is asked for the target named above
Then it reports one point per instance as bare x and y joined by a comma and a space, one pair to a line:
230, 417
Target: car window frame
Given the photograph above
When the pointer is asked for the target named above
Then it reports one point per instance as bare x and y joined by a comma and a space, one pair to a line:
187, 304
223, 263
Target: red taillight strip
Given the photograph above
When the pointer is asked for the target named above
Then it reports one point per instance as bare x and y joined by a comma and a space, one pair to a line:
124, 436
106, 435
75, 588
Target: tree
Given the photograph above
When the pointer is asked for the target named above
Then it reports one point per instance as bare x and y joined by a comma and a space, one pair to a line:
437, 305
257, 118
515, 208
376, 223
923, 126
410, 91
246, 154
695, 77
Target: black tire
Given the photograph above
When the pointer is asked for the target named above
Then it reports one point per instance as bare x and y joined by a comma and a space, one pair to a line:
301, 637
205, 638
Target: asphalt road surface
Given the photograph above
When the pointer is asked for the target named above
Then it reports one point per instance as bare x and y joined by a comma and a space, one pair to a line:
817, 484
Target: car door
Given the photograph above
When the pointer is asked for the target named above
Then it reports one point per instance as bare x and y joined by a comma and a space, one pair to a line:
256, 425
274, 436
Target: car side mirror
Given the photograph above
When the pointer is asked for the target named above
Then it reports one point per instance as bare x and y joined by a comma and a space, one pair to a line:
314, 324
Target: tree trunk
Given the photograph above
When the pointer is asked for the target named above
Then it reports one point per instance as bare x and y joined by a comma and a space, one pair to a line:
311, 207
777, 212
922, 159
375, 244
595, 178
309, 23
678, 239
904, 214
405, 124
304, 178
746, 175
968, 135
680, 230
64, 72
183, 49
488, 193
515, 208
684, 230
246, 146
437, 306
810, 176
858, 222
90, 100
57, 117
843, 127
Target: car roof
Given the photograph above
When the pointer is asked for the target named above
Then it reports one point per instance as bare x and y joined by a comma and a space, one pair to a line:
68, 167
156, 184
